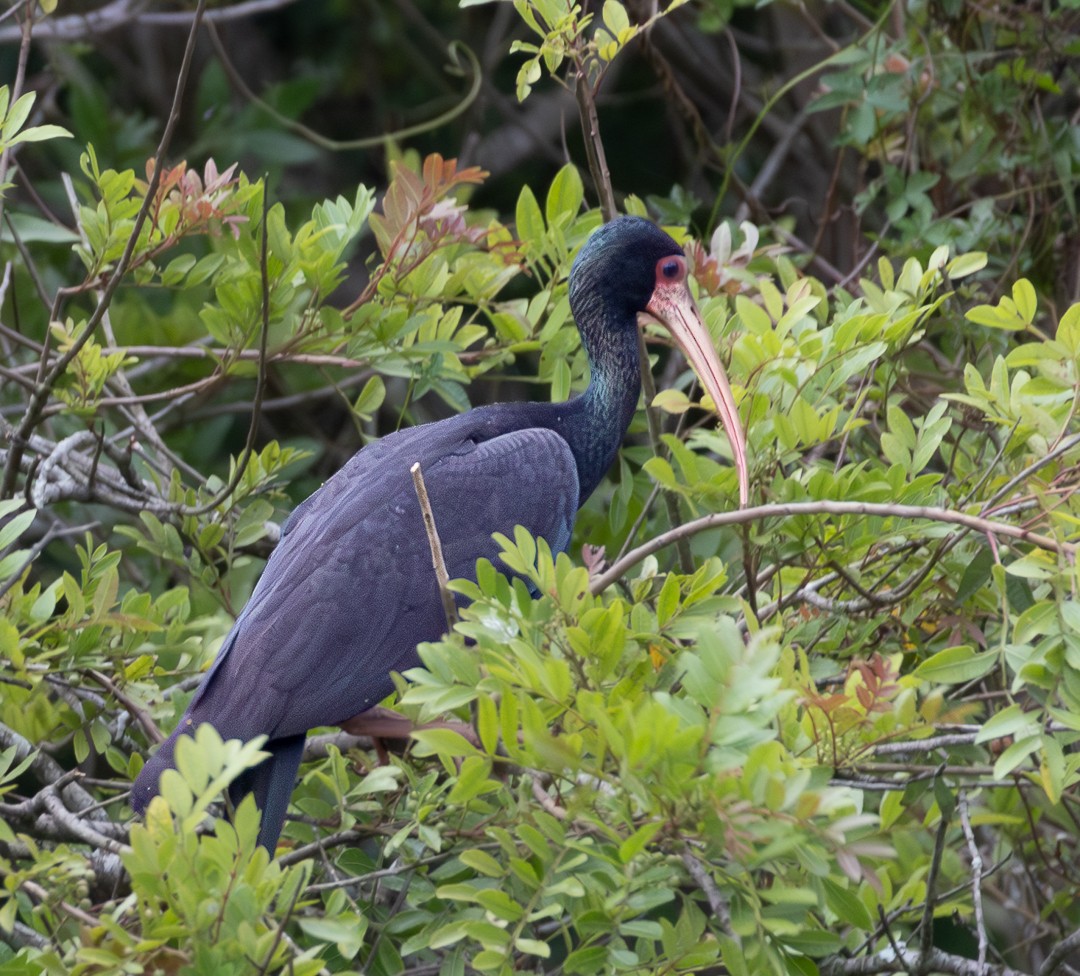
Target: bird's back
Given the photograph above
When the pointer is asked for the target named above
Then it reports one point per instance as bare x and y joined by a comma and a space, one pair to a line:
349, 591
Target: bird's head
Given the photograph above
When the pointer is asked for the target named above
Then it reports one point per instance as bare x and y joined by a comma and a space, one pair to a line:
617, 265
629, 268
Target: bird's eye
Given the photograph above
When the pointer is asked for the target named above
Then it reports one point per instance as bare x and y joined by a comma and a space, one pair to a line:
670, 270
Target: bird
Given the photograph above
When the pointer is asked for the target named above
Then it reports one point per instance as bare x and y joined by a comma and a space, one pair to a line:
349, 591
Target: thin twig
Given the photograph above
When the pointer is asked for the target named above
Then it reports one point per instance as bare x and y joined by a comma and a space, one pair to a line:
208, 352
926, 931
717, 902
260, 377
351, 836
1055, 959
976, 880
41, 395
39, 894
594, 146
601, 174
454, 52
1064, 447
149, 726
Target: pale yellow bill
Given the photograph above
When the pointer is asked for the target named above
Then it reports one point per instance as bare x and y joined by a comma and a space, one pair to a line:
673, 307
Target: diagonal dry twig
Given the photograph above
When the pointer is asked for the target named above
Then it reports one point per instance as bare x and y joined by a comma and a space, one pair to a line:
437, 561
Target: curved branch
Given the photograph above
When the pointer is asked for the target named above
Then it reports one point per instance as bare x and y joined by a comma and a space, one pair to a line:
912, 961
790, 509
454, 50
121, 13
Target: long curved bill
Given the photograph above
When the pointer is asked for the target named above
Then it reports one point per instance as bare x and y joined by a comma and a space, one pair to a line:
673, 307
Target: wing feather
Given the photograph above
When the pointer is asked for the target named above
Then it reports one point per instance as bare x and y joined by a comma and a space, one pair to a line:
350, 591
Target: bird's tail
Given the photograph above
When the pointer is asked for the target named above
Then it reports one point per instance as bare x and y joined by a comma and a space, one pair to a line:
271, 781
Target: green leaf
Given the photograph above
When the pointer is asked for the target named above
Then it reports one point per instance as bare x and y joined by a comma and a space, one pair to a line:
956, 665
371, 397
995, 317
482, 862
892, 806
1016, 754
586, 961
445, 742
528, 75
847, 905
15, 527
565, 197
560, 382
529, 220
637, 841
965, 264
472, 780
615, 17
36, 230
41, 133
16, 116
1009, 721
752, 316
976, 574
533, 947
346, 933
1068, 332
1023, 293
672, 401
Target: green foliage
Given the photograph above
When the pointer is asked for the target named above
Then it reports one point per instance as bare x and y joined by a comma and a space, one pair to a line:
565, 34
622, 759
974, 86
13, 128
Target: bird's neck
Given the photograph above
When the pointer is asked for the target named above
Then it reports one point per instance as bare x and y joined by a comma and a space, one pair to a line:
595, 423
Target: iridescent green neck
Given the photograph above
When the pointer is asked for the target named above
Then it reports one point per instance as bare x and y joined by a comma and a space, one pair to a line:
595, 423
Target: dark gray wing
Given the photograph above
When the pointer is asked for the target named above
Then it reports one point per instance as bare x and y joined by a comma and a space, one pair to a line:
350, 591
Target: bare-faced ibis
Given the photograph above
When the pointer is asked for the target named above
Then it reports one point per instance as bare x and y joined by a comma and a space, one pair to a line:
349, 591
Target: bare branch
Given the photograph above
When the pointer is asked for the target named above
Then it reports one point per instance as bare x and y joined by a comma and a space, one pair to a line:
926, 926
790, 509
1057, 956
46, 770
976, 879
124, 13
911, 961
717, 902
